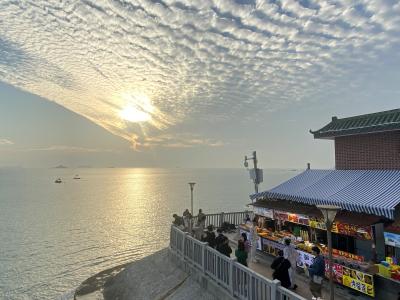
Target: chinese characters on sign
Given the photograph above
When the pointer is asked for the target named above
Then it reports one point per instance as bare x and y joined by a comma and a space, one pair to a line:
359, 281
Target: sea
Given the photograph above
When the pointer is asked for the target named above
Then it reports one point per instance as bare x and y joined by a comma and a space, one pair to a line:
53, 235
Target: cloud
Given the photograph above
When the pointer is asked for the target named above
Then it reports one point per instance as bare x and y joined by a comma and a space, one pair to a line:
176, 141
208, 60
69, 149
6, 142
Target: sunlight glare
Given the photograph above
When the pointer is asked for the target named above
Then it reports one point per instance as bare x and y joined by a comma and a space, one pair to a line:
137, 109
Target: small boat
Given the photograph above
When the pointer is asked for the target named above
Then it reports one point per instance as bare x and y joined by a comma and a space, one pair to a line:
58, 180
77, 177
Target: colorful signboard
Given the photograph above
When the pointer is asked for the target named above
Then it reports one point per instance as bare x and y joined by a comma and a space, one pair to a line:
359, 281
304, 259
392, 239
361, 232
351, 278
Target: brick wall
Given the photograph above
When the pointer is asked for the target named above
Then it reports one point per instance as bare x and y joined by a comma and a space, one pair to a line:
368, 151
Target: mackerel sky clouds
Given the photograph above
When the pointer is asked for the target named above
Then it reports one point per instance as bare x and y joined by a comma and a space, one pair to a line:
201, 70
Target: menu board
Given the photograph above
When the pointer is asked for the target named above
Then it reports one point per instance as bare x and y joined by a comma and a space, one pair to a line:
359, 281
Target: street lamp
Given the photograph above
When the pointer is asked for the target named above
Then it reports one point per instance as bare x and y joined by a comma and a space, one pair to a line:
329, 212
191, 196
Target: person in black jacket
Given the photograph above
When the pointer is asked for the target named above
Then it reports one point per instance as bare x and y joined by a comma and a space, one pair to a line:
281, 270
220, 237
210, 236
224, 247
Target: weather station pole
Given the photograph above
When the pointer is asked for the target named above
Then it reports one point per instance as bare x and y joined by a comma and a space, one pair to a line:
255, 174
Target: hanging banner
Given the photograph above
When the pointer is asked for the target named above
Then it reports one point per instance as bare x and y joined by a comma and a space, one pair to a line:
263, 211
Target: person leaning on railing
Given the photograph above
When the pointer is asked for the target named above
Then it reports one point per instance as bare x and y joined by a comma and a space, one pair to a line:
178, 221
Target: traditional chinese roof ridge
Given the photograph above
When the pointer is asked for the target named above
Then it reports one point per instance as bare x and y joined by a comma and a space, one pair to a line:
370, 123
375, 192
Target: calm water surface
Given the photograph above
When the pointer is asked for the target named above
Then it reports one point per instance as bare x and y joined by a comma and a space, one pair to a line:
54, 236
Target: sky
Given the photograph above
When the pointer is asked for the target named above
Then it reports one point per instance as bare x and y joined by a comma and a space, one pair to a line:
196, 83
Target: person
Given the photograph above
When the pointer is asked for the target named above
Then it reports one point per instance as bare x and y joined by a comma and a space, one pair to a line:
290, 253
201, 223
178, 221
247, 219
316, 272
281, 266
210, 236
220, 238
224, 247
253, 234
247, 246
201, 218
187, 219
241, 253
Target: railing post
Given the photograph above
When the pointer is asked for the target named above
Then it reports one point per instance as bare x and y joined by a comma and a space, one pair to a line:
221, 219
204, 257
275, 289
231, 271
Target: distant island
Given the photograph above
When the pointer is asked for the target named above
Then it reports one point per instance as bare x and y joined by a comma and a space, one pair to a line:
60, 167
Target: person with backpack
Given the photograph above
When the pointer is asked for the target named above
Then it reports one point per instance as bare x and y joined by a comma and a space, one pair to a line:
281, 266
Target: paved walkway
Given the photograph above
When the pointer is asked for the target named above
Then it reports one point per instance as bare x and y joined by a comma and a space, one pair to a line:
263, 268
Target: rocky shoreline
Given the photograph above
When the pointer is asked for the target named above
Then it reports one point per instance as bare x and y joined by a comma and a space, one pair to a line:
153, 277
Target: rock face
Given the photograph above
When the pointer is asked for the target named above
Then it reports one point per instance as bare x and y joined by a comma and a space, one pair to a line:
153, 277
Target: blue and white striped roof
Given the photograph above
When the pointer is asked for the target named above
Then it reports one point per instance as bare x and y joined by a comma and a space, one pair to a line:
374, 192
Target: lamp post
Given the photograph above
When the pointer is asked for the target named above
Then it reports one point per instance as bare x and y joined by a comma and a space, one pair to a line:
329, 212
191, 196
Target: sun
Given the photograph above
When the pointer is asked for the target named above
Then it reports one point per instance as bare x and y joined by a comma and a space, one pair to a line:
133, 114
137, 109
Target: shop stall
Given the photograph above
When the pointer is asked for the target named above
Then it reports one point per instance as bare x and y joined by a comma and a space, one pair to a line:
352, 243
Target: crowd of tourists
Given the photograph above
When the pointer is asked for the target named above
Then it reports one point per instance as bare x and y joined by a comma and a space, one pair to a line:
283, 266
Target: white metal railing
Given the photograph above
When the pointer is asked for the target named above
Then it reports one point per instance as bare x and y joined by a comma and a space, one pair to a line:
235, 218
241, 282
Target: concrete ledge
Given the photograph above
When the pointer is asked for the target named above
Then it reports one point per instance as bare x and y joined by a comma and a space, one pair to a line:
208, 284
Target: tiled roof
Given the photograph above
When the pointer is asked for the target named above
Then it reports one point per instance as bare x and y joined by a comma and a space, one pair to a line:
369, 123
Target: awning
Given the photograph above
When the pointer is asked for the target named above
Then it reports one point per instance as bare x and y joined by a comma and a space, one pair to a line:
343, 216
375, 192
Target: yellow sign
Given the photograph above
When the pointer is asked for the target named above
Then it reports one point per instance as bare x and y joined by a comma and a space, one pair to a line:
358, 281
